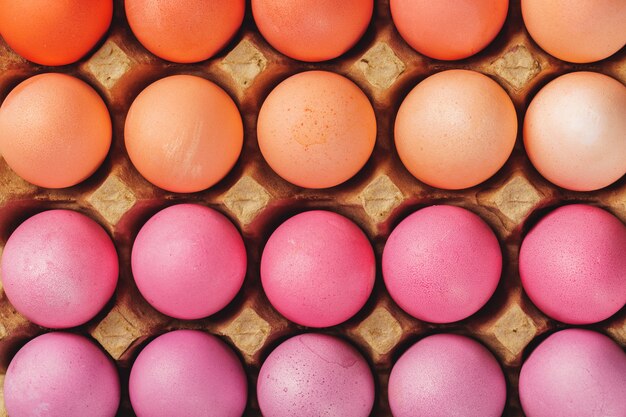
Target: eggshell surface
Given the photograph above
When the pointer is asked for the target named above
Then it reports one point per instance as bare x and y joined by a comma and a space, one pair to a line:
312, 30
448, 29
316, 129
575, 131
572, 264
61, 374
188, 261
442, 264
56, 32
447, 375
184, 31
313, 375
577, 31
183, 133
574, 373
455, 129
318, 269
59, 268
55, 130
187, 373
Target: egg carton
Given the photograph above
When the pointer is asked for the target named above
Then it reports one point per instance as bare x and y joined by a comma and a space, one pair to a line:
257, 200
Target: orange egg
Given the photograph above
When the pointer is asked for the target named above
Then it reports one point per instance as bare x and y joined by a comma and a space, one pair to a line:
455, 129
449, 29
312, 30
55, 130
55, 32
185, 31
316, 129
575, 131
577, 30
183, 133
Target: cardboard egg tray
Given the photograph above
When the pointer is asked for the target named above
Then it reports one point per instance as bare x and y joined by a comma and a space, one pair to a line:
257, 200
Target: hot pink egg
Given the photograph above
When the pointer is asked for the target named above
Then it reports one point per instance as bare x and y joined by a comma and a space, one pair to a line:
61, 374
573, 264
314, 375
442, 263
189, 261
447, 375
574, 373
59, 268
188, 373
318, 269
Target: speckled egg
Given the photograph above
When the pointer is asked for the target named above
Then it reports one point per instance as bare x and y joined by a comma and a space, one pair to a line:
61, 374
316, 129
447, 375
455, 129
318, 269
441, 264
188, 261
574, 373
575, 131
314, 375
188, 373
59, 268
572, 264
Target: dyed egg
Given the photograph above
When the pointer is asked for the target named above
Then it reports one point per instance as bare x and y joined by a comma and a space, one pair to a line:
572, 264
442, 264
455, 129
55, 130
316, 129
59, 268
312, 30
574, 373
447, 375
577, 30
187, 373
575, 131
184, 31
54, 32
61, 374
314, 375
188, 261
183, 133
448, 29
318, 269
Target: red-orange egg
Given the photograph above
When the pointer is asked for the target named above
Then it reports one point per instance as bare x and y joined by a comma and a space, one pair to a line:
185, 31
55, 130
312, 30
55, 32
183, 133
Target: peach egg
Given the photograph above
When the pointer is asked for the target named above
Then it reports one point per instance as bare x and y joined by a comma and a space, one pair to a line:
455, 129
316, 129
575, 131
577, 30
55, 130
54, 32
183, 133
448, 29
312, 30
184, 31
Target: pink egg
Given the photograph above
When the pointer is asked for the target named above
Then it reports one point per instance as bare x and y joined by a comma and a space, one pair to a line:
574, 373
318, 269
314, 375
61, 374
573, 264
189, 261
441, 264
59, 268
188, 373
447, 375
